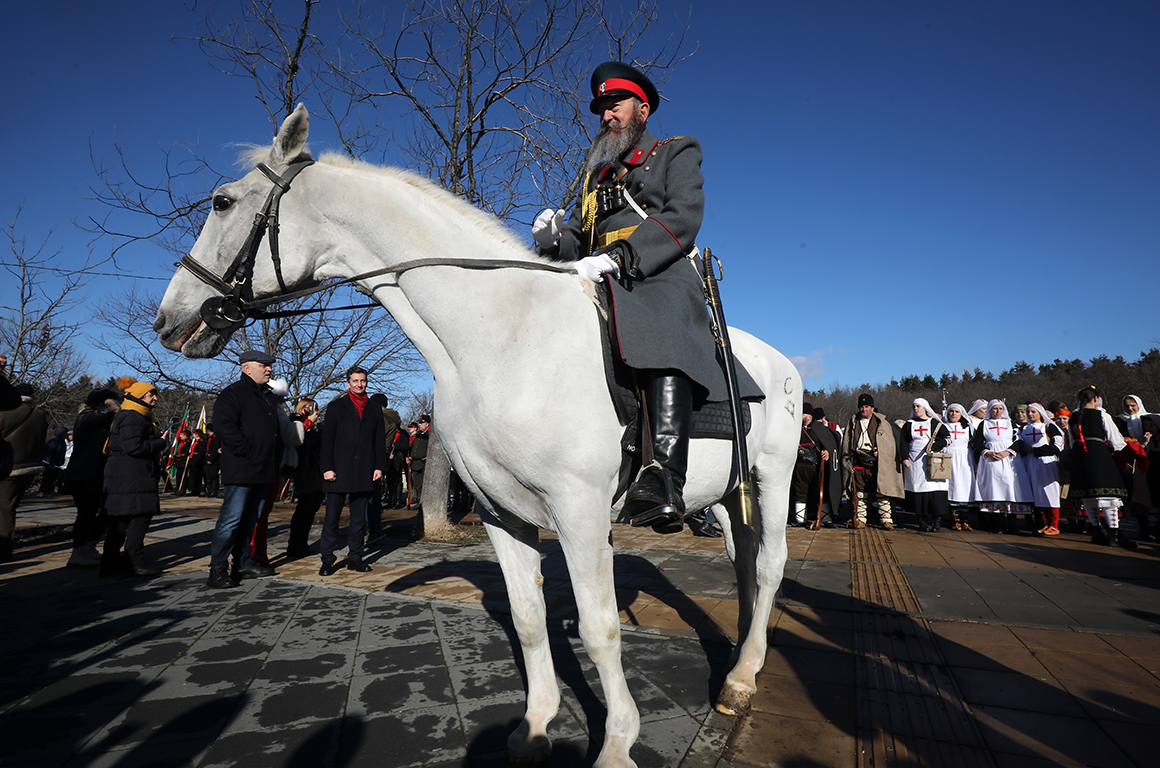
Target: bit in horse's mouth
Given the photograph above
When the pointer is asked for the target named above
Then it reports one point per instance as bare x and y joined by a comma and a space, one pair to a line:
188, 335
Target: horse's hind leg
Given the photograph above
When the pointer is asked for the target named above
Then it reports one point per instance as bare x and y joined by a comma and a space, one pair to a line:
517, 547
589, 557
772, 553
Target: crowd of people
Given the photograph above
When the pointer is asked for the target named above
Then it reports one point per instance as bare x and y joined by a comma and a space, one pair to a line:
985, 463
967, 466
117, 461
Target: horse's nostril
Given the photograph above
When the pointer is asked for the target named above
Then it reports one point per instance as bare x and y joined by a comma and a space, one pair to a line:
159, 323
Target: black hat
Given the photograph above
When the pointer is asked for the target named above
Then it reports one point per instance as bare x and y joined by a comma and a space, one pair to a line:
380, 398
256, 356
24, 390
615, 79
865, 399
97, 397
819, 414
807, 408
424, 418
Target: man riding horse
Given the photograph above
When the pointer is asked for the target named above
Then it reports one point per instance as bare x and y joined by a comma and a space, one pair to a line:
637, 219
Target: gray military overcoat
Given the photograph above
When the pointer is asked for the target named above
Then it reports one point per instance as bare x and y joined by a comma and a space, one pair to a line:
661, 318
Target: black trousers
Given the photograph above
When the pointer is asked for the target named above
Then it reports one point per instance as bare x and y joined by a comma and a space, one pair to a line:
303, 520
129, 532
91, 521
356, 530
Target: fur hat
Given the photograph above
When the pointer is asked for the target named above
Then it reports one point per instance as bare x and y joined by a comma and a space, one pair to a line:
865, 399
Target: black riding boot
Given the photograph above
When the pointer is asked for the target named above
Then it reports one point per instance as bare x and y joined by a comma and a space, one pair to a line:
655, 498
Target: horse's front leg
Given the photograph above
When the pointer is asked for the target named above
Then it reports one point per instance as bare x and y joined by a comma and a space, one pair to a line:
588, 551
517, 547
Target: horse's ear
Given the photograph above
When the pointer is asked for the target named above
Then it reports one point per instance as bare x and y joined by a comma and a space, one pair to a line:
291, 139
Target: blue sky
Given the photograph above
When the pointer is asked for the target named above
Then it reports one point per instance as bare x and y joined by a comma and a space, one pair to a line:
895, 188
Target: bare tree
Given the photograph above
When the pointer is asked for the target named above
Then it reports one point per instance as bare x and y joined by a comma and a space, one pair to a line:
42, 346
488, 97
313, 351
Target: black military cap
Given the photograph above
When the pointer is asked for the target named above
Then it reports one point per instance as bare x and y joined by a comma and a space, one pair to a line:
865, 399
256, 356
424, 418
615, 79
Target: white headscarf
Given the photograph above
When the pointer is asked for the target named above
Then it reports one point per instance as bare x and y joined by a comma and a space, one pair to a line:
1135, 426
947, 413
1043, 414
976, 406
992, 404
930, 414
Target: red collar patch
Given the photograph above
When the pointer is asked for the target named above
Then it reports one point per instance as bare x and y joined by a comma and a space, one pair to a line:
639, 155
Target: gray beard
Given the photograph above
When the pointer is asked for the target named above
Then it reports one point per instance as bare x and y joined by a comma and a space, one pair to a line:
609, 146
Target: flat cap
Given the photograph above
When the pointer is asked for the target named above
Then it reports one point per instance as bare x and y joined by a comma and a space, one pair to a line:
256, 356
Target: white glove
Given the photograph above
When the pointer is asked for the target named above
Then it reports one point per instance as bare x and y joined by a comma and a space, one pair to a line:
280, 387
546, 228
593, 267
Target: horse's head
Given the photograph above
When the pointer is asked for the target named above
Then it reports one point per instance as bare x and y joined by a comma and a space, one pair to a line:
227, 266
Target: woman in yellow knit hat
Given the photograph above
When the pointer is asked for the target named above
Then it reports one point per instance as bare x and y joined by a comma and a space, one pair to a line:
131, 474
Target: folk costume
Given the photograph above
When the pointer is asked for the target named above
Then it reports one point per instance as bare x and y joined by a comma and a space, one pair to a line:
962, 480
1001, 484
926, 498
1095, 479
1140, 499
870, 462
803, 487
1043, 442
829, 439
637, 221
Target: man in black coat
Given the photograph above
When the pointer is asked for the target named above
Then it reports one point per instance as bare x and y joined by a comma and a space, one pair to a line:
353, 459
246, 420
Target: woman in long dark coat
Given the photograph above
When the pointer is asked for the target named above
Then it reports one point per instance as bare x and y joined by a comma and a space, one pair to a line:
131, 475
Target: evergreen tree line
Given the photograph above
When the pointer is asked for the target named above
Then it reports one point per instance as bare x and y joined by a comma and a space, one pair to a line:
1021, 383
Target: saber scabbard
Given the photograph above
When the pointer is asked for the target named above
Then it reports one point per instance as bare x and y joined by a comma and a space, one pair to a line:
721, 332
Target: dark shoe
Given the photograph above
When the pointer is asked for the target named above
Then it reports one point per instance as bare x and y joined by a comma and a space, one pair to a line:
141, 570
255, 571
700, 527
219, 578
358, 565
328, 569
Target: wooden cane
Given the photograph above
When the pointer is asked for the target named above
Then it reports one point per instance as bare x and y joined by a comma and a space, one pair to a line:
821, 491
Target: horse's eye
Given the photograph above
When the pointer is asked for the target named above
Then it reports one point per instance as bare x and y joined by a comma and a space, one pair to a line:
221, 202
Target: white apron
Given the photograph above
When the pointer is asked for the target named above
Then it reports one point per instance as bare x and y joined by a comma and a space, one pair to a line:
915, 476
1005, 479
1042, 471
962, 462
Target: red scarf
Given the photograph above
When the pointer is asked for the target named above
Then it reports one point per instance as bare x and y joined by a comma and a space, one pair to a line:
360, 402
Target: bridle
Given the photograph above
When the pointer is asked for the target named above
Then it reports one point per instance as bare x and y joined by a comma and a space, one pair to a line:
235, 286
236, 303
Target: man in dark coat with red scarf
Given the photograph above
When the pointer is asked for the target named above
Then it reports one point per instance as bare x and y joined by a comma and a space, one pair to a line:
354, 457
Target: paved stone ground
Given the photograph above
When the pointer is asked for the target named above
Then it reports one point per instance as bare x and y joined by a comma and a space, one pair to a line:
888, 649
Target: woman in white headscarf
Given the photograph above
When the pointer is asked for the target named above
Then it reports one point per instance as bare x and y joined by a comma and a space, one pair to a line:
925, 497
1043, 442
962, 480
1000, 479
1131, 426
977, 414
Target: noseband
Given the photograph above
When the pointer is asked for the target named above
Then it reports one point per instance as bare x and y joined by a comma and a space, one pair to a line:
235, 286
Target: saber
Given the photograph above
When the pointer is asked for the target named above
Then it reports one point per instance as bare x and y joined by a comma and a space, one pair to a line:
721, 332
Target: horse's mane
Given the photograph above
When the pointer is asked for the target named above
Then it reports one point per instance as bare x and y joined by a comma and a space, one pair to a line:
434, 194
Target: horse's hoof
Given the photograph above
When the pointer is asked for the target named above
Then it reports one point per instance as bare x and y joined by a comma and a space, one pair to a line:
733, 700
524, 753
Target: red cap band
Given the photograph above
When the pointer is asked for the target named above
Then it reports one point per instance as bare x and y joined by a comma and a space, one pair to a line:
620, 84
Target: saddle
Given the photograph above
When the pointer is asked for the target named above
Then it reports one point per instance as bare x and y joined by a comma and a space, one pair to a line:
711, 420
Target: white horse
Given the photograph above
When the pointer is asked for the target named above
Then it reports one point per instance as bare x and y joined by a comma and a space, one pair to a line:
524, 411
